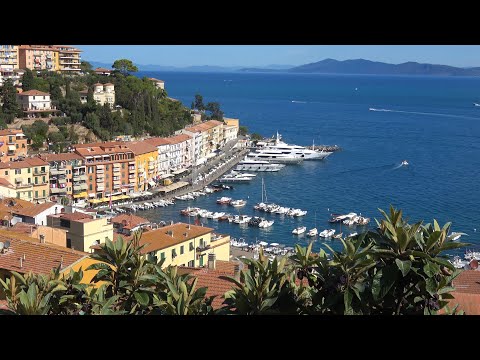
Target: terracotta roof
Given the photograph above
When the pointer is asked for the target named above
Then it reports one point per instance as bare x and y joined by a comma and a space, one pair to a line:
467, 282
178, 138
10, 132
34, 92
99, 144
98, 84
6, 183
90, 151
35, 210
14, 204
28, 162
102, 70
157, 141
210, 279
159, 239
60, 157
73, 216
130, 219
141, 147
469, 303
207, 125
40, 258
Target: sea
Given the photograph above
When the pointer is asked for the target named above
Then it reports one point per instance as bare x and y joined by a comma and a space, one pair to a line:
431, 122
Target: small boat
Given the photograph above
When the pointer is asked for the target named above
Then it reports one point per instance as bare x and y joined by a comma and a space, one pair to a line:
265, 223
352, 235
476, 104
224, 200
404, 162
455, 236
312, 232
299, 230
327, 233
338, 236
238, 203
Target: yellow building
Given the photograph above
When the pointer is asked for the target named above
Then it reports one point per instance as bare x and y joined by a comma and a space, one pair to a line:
183, 244
83, 230
146, 163
29, 177
232, 122
67, 59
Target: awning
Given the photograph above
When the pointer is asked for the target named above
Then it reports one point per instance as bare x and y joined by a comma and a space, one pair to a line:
178, 172
20, 134
124, 197
80, 195
91, 195
152, 183
11, 147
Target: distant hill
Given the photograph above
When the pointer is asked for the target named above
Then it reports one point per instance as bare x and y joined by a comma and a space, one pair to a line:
361, 66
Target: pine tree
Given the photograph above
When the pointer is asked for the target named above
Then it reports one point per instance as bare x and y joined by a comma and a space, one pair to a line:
10, 106
27, 80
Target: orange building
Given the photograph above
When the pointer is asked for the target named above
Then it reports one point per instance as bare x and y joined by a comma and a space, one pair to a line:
110, 169
13, 144
38, 57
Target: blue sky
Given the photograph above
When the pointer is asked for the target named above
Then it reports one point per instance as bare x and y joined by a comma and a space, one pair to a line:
261, 55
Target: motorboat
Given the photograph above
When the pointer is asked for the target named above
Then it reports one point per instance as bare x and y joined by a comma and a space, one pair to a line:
224, 200
275, 156
299, 230
312, 232
238, 203
235, 178
455, 236
258, 165
404, 163
352, 235
265, 223
327, 233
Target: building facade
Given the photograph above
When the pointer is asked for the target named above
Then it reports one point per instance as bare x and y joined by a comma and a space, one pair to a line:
68, 59
33, 103
181, 151
13, 145
84, 231
146, 164
163, 154
9, 63
61, 58
183, 244
104, 94
159, 84
30, 178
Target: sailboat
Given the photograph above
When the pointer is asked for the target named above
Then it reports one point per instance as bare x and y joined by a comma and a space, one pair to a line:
262, 205
340, 234
314, 231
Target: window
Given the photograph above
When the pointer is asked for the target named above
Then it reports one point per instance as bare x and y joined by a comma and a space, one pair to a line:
34, 97
29, 180
18, 171
42, 169
23, 146
91, 177
30, 192
106, 167
181, 250
6, 172
43, 178
44, 99
90, 169
65, 223
162, 256
191, 263
202, 244
90, 187
29, 170
69, 243
16, 145
123, 165
36, 180
44, 194
174, 253
191, 246
18, 195
36, 194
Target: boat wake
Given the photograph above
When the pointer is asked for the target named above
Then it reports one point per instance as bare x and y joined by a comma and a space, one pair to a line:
425, 113
386, 167
397, 167
299, 102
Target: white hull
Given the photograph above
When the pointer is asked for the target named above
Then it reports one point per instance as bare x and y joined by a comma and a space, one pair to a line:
270, 167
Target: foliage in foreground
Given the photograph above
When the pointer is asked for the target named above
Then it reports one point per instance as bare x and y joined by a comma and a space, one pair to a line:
397, 269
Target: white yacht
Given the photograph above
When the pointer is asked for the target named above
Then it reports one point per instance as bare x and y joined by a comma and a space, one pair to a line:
295, 150
327, 233
299, 230
275, 156
258, 165
312, 232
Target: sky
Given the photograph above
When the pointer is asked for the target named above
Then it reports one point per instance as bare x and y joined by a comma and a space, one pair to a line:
263, 55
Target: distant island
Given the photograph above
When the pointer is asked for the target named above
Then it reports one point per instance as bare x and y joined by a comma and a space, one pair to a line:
327, 66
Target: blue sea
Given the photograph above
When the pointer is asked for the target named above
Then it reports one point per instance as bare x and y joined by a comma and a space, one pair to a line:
429, 121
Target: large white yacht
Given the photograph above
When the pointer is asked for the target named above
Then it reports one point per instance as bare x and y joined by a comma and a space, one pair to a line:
296, 150
275, 156
258, 165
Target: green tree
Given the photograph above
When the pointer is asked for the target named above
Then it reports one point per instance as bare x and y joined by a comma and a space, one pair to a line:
242, 130
215, 112
256, 137
198, 103
85, 67
10, 106
27, 80
124, 66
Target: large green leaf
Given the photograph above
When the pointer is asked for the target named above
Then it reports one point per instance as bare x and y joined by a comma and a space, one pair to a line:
383, 281
431, 269
404, 266
142, 298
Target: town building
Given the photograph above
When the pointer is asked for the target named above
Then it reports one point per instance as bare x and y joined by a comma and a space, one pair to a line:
196, 142
68, 59
104, 94
30, 178
146, 163
211, 137
42, 233
196, 117
127, 224
110, 170
9, 64
163, 154
13, 145
183, 244
38, 57
34, 103
83, 230
36, 214
160, 84
68, 178
181, 150
103, 71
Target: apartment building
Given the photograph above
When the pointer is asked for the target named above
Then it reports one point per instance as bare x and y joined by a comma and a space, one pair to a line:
13, 145
38, 57
84, 230
34, 103
68, 178
163, 154
29, 177
110, 169
146, 163
181, 150
9, 63
68, 59
159, 84
104, 94
183, 244
211, 137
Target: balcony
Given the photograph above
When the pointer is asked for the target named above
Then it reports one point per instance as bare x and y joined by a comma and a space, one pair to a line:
58, 171
39, 197
100, 188
116, 170
58, 190
131, 176
40, 172
116, 186
131, 169
62, 181
79, 187
40, 184
82, 177
100, 172
20, 185
202, 248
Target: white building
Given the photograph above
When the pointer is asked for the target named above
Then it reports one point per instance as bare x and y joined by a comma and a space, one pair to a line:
104, 94
34, 102
160, 84
181, 151
230, 132
164, 156
37, 214
196, 145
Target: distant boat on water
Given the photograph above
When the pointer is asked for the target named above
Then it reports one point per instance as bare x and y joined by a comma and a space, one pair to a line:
404, 162
476, 104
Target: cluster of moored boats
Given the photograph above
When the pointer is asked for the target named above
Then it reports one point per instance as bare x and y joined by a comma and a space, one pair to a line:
350, 219
223, 216
279, 210
272, 249
235, 176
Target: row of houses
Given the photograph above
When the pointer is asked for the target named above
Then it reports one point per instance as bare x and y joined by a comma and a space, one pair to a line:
59, 58
97, 171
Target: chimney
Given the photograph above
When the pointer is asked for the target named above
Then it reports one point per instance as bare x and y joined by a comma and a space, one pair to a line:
236, 272
188, 227
211, 261
61, 261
